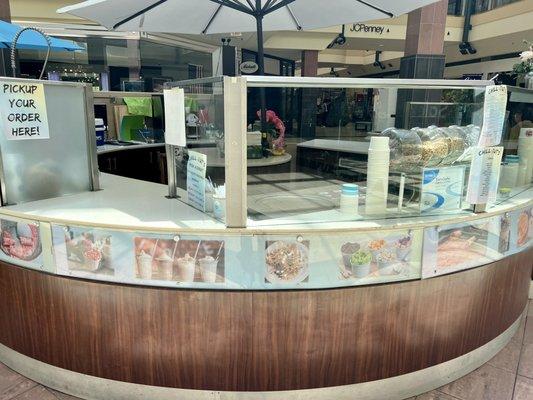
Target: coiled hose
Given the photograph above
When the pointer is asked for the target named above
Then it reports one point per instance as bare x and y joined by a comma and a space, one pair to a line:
14, 49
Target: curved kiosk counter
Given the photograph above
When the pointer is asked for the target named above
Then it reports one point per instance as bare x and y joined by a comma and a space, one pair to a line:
117, 291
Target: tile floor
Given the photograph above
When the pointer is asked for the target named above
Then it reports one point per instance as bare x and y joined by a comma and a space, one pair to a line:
507, 376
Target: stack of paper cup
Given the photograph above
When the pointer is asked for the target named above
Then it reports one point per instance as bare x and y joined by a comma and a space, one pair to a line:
525, 152
377, 185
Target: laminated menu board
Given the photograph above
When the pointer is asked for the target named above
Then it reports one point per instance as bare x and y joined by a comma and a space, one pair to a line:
454, 247
196, 170
23, 111
494, 109
484, 175
20, 242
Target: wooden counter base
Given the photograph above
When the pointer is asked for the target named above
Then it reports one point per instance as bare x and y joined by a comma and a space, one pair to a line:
258, 341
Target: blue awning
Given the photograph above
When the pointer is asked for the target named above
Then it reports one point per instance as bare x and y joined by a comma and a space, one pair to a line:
31, 40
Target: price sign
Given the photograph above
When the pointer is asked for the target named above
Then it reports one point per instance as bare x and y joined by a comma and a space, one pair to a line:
196, 169
484, 175
23, 111
493, 115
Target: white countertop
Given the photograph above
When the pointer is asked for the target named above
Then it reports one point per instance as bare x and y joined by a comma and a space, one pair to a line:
345, 146
110, 148
142, 206
122, 202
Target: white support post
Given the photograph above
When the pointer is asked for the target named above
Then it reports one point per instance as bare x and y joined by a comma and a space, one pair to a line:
235, 151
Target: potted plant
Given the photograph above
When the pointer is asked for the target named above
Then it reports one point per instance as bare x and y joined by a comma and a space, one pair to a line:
524, 69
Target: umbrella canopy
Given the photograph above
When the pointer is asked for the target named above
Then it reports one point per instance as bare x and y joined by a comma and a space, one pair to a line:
31, 40
223, 16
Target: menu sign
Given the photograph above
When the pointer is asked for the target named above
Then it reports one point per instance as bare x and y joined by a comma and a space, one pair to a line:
23, 111
196, 169
493, 115
484, 175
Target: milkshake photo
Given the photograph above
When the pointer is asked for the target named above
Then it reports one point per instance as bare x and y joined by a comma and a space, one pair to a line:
179, 260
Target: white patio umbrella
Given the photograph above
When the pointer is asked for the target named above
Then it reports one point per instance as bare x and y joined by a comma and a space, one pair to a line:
223, 16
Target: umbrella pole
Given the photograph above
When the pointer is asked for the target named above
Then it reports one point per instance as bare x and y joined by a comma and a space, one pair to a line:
261, 64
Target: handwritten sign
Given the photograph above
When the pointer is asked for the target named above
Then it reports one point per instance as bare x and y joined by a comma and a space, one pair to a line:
23, 111
484, 175
493, 115
196, 169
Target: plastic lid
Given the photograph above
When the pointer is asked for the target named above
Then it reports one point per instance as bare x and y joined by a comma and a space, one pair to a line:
350, 188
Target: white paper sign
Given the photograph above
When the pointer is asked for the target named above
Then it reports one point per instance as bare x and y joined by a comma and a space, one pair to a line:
175, 117
484, 175
493, 115
196, 169
23, 111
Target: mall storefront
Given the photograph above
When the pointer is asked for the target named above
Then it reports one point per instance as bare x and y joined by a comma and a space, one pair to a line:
119, 62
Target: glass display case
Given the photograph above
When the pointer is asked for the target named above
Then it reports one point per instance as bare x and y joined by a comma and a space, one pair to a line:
336, 150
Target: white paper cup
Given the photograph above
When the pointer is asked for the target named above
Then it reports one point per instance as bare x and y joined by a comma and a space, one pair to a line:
208, 270
165, 269
186, 270
145, 268
361, 271
92, 265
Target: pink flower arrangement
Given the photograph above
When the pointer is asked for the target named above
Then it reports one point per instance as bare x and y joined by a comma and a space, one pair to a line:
272, 118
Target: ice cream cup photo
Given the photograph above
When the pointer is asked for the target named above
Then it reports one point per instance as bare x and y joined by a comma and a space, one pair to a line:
93, 257
144, 262
360, 263
403, 248
403, 253
208, 269
386, 258
347, 250
92, 265
165, 268
186, 269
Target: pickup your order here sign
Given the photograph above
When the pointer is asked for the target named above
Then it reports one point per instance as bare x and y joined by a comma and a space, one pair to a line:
23, 111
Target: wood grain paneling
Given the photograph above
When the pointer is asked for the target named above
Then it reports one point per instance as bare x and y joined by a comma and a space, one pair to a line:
278, 340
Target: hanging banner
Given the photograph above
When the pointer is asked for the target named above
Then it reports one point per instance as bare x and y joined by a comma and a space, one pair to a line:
484, 175
494, 110
23, 111
175, 117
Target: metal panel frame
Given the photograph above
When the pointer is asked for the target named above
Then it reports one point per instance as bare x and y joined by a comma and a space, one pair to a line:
378, 83
92, 155
235, 100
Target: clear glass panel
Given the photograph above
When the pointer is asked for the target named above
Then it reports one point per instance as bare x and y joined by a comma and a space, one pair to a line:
382, 147
204, 120
516, 177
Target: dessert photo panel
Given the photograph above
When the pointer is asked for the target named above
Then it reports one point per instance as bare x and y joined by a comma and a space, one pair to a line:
376, 256
455, 247
179, 260
20, 242
286, 261
82, 251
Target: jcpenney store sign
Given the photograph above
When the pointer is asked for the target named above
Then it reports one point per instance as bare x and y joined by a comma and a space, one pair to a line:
368, 28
